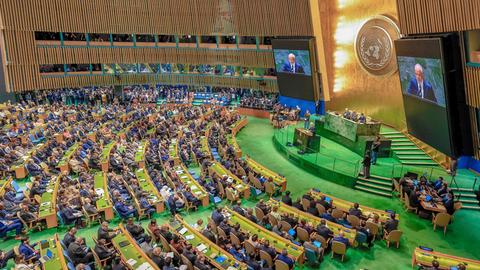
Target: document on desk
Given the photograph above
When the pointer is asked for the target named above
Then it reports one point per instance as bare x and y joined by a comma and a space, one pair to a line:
145, 266
183, 231
201, 247
131, 262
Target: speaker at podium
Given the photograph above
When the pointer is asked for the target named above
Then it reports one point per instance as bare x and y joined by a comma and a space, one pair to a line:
306, 140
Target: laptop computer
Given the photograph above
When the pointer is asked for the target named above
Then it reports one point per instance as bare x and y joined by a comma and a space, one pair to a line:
46, 257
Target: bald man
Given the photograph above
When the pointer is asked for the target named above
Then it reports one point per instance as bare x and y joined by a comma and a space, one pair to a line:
291, 66
420, 87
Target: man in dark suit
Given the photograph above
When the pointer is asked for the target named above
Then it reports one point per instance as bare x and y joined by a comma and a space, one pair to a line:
449, 204
238, 208
102, 251
217, 215
157, 257
106, 233
189, 253
292, 66
323, 230
340, 238
419, 87
268, 249
391, 224
78, 252
207, 232
355, 211
286, 199
70, 237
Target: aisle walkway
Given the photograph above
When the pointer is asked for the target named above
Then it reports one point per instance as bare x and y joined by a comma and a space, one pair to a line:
462, 237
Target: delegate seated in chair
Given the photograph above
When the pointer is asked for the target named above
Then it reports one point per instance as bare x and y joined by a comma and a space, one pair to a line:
103, 251
191, 198
104, 232
340, 238
136, 231
145, 205
10, 225
175, 203
28, 251
391, 224
124, 210
286, 259
70, 215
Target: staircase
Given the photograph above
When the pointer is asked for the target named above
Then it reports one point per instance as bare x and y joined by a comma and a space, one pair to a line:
467, 198
375, 184
406, 151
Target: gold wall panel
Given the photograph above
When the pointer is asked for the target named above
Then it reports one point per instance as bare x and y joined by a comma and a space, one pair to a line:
352, 87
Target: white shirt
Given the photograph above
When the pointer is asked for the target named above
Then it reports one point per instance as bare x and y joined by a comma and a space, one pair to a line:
420, 88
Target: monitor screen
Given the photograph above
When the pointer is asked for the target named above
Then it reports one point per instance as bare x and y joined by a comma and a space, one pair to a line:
292, 61
422, 78
423, 82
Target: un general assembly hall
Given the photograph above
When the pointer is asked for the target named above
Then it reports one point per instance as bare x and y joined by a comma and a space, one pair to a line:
239, 134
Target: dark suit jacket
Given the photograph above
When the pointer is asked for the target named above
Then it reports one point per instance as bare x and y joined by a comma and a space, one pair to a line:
324, 231
102, 252
391, 225
104, 234
158, 260
298, 68
68, 239
287, 200
428, 92
76, 252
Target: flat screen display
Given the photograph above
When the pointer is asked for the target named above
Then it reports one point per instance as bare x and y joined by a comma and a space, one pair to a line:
293, 61
422, 77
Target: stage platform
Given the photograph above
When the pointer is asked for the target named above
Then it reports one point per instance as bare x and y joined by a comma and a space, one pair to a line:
335, 161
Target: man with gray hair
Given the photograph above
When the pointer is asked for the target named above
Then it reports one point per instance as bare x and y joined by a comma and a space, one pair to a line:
291, 66
420, 87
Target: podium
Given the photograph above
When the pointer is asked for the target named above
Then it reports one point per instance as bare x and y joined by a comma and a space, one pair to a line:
306, 140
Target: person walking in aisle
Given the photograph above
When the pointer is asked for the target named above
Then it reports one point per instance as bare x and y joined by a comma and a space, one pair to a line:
366, 164
375, 149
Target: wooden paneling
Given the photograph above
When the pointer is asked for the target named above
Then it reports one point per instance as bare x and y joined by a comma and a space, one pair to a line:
247, 17
472, 85
19, 19
59, 55
436, 16
80, 81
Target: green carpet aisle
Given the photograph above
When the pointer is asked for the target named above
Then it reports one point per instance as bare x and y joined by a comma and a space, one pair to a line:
255, 140
462, 236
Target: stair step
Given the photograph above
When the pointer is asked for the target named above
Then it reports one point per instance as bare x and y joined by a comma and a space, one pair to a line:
390, 133
395, 136
462, 189
425, 157
465, 195
385, 194
370, 185
471, 207
383, 183
469, 201
403, 139
411, 152
403, 148
373, 176
425, 163
394, 144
